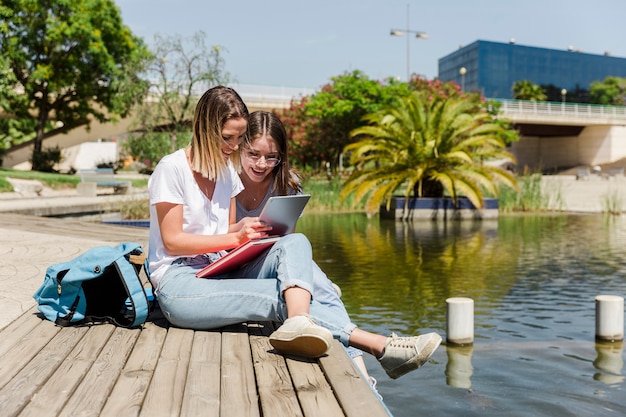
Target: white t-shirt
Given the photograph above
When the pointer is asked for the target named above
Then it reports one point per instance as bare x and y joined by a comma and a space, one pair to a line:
172, 181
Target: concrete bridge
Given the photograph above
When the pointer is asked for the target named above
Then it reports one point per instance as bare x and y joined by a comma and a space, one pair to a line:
563, 135
553, 135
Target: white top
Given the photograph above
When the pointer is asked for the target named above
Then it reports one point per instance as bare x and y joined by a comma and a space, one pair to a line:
172, 181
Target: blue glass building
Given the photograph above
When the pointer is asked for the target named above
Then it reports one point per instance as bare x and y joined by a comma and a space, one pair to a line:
493, 67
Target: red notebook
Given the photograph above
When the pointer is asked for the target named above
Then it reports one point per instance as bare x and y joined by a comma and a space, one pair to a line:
237, 257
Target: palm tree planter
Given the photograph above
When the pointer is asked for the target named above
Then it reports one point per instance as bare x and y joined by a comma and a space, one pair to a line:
426, 208
428, 148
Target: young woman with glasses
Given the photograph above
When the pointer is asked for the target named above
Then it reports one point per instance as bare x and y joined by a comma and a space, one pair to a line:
265, 172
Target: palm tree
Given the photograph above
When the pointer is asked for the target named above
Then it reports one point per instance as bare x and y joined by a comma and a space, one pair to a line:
427, 146
527, 90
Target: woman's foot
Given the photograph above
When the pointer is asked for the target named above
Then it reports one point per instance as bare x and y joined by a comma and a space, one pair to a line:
301, 336
404, 354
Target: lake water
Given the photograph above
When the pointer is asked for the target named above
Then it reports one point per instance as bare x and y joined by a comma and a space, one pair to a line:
533, 280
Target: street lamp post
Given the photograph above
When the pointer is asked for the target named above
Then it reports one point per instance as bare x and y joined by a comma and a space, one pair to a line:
408, 32
563, 94
462, 72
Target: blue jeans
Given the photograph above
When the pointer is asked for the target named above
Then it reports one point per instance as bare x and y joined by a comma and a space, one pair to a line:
252, 292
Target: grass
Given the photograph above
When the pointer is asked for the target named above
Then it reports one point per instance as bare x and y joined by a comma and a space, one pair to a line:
51, 180
54, 181
531, 197
134, 209
612, 203
325, 195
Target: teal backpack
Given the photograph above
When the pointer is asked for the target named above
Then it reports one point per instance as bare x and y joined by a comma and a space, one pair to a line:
100, 285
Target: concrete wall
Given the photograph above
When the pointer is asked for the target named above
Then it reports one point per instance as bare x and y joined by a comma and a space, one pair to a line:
88, 155
595, 145
545, 153
20, 158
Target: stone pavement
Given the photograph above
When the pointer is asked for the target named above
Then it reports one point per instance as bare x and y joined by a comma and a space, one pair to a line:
28, 244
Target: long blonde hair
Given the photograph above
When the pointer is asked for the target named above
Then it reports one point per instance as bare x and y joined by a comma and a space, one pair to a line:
216, 106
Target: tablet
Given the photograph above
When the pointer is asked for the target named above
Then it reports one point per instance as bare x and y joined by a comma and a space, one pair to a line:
283, 212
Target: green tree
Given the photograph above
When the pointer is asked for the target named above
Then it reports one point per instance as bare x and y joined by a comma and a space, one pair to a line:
148, 148
610, 91
12, 131
527, 90
181, 70
426, 146
71, 61
320, 124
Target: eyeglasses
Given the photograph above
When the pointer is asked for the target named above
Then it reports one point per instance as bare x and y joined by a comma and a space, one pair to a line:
256, 158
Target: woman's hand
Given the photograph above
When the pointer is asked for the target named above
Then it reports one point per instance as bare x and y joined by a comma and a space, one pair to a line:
250, 228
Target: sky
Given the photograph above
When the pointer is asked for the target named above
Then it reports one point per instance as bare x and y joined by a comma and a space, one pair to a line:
303, 44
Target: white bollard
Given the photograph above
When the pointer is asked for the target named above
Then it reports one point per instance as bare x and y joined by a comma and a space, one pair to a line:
460, 324
609, 318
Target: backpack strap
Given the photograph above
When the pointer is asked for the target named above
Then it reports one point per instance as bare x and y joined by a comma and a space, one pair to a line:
135, 290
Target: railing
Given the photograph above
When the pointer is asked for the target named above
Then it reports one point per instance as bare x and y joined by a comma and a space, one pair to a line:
565, 110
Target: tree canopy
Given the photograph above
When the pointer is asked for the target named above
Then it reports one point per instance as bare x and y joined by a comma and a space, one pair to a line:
180, 70
70, 61
320, 124
610, 91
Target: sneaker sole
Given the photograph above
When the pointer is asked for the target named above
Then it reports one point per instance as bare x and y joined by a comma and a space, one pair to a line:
417, 361
307, 345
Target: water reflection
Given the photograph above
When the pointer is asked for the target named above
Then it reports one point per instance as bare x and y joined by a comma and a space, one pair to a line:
609, 362
459, 368
533, 280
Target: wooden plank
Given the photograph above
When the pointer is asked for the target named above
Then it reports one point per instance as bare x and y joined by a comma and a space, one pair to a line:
353, 392
276, 391
15, 331
238, 388
156, 371
165, 394
315, 394
27, 348
202, 392
16, 394
131, 388
90, 396
53, 396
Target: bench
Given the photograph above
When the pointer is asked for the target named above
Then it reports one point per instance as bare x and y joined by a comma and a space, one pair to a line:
91, 179
583, 173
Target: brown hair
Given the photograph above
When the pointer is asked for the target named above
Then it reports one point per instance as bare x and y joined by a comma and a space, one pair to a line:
216, 106
264, 123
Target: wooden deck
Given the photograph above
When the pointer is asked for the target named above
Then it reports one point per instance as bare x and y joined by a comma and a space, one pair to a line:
104, 370
158, 370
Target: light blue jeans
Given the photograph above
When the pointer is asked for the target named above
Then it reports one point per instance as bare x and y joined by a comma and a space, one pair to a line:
253, 292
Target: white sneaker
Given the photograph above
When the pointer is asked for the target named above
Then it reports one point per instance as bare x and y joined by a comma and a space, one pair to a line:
301, 336
404, 354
